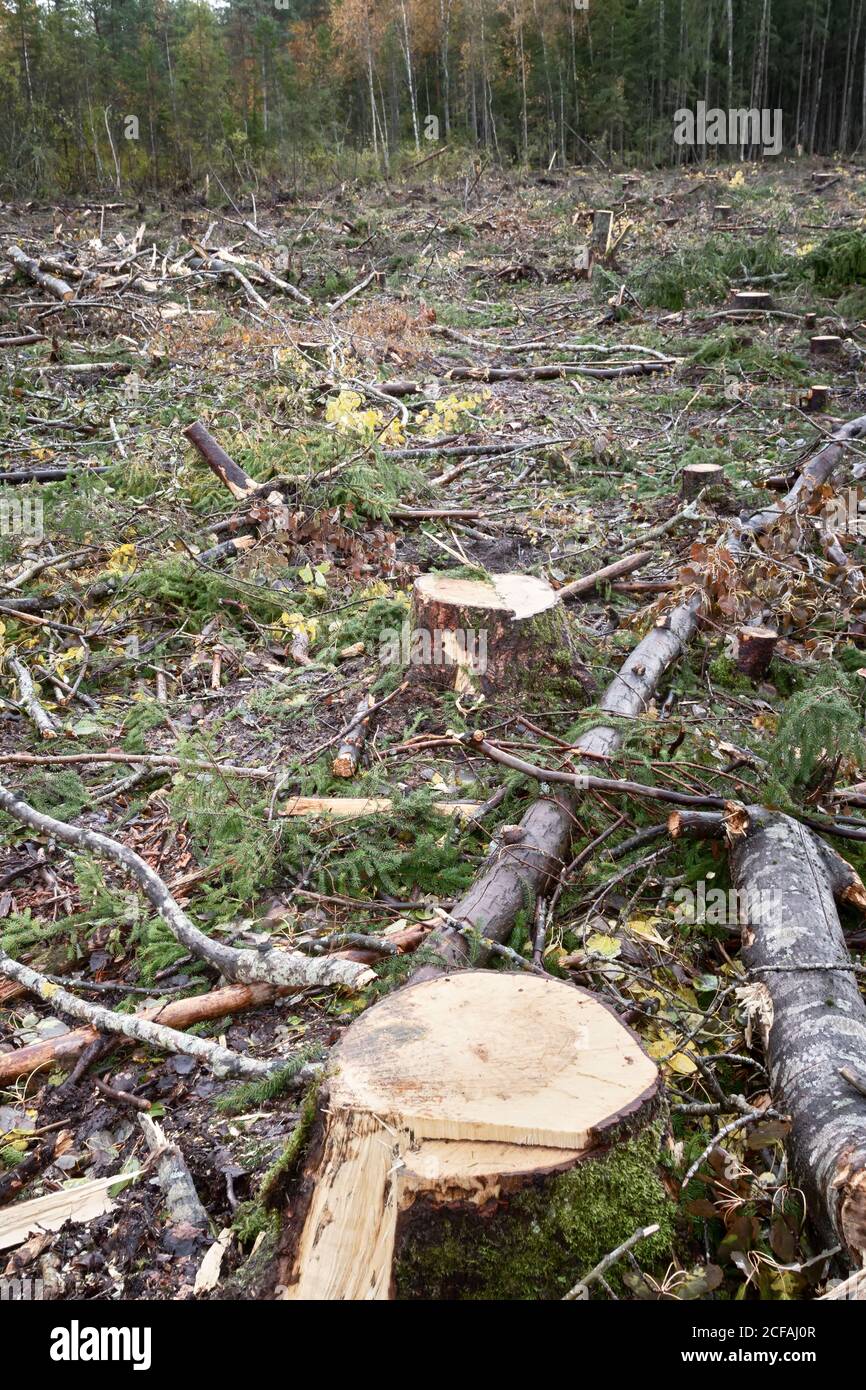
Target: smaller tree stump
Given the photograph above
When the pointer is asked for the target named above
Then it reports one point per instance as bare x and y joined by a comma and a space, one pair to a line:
810, 320
825, 343
755, 650
483, 635
815, 398
722, 212
752, 299
696, 476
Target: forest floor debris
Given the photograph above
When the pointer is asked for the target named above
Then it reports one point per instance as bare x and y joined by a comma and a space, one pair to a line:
187, 652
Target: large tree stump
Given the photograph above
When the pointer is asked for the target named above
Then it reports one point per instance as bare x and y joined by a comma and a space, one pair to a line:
468, 1117
484, 635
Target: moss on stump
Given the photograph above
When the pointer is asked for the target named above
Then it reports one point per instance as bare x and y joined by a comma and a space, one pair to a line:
538, 1243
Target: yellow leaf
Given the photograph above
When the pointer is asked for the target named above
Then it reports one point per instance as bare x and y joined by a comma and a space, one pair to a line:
602, 945
122, 560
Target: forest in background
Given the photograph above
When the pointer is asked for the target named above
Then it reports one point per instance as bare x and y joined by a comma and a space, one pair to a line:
137, 94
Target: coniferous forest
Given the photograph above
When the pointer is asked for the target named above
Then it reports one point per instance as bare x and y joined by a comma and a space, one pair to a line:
158, 93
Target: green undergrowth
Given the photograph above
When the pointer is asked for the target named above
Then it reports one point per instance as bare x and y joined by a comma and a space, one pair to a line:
819, 730
741, 354
838, 262
253, 1094
188, 592
703, 274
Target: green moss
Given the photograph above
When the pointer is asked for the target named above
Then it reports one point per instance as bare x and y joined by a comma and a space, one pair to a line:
281, 1172
251, 1219
538, 1243
724, 673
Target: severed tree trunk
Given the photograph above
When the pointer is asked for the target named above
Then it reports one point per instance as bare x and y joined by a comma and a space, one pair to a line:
59, 289
824, 343
602, 230
696, 476
494, 635
815, 472
812, 1015
752, 299
239, 483
440, 1149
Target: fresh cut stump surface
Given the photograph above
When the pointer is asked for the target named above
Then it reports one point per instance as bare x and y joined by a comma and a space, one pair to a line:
454, 1087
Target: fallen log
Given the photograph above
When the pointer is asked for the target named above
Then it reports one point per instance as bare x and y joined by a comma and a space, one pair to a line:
554, 371
23, 340
605, 575
814, 473
226, 270
46, 475
348, 807
183, 1204
444, 1167
374, 275
221, 1060
812, 1016
58, 289
45, 723
345, 764
239, 483
178, 1014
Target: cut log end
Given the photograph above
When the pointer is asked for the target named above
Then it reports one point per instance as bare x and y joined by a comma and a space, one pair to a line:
429, 1116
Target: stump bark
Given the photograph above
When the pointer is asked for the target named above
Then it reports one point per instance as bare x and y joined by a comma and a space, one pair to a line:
442, 1153
696, 476
602, 230
752, 299
484, 635
755, 650
815, 398
825, 343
